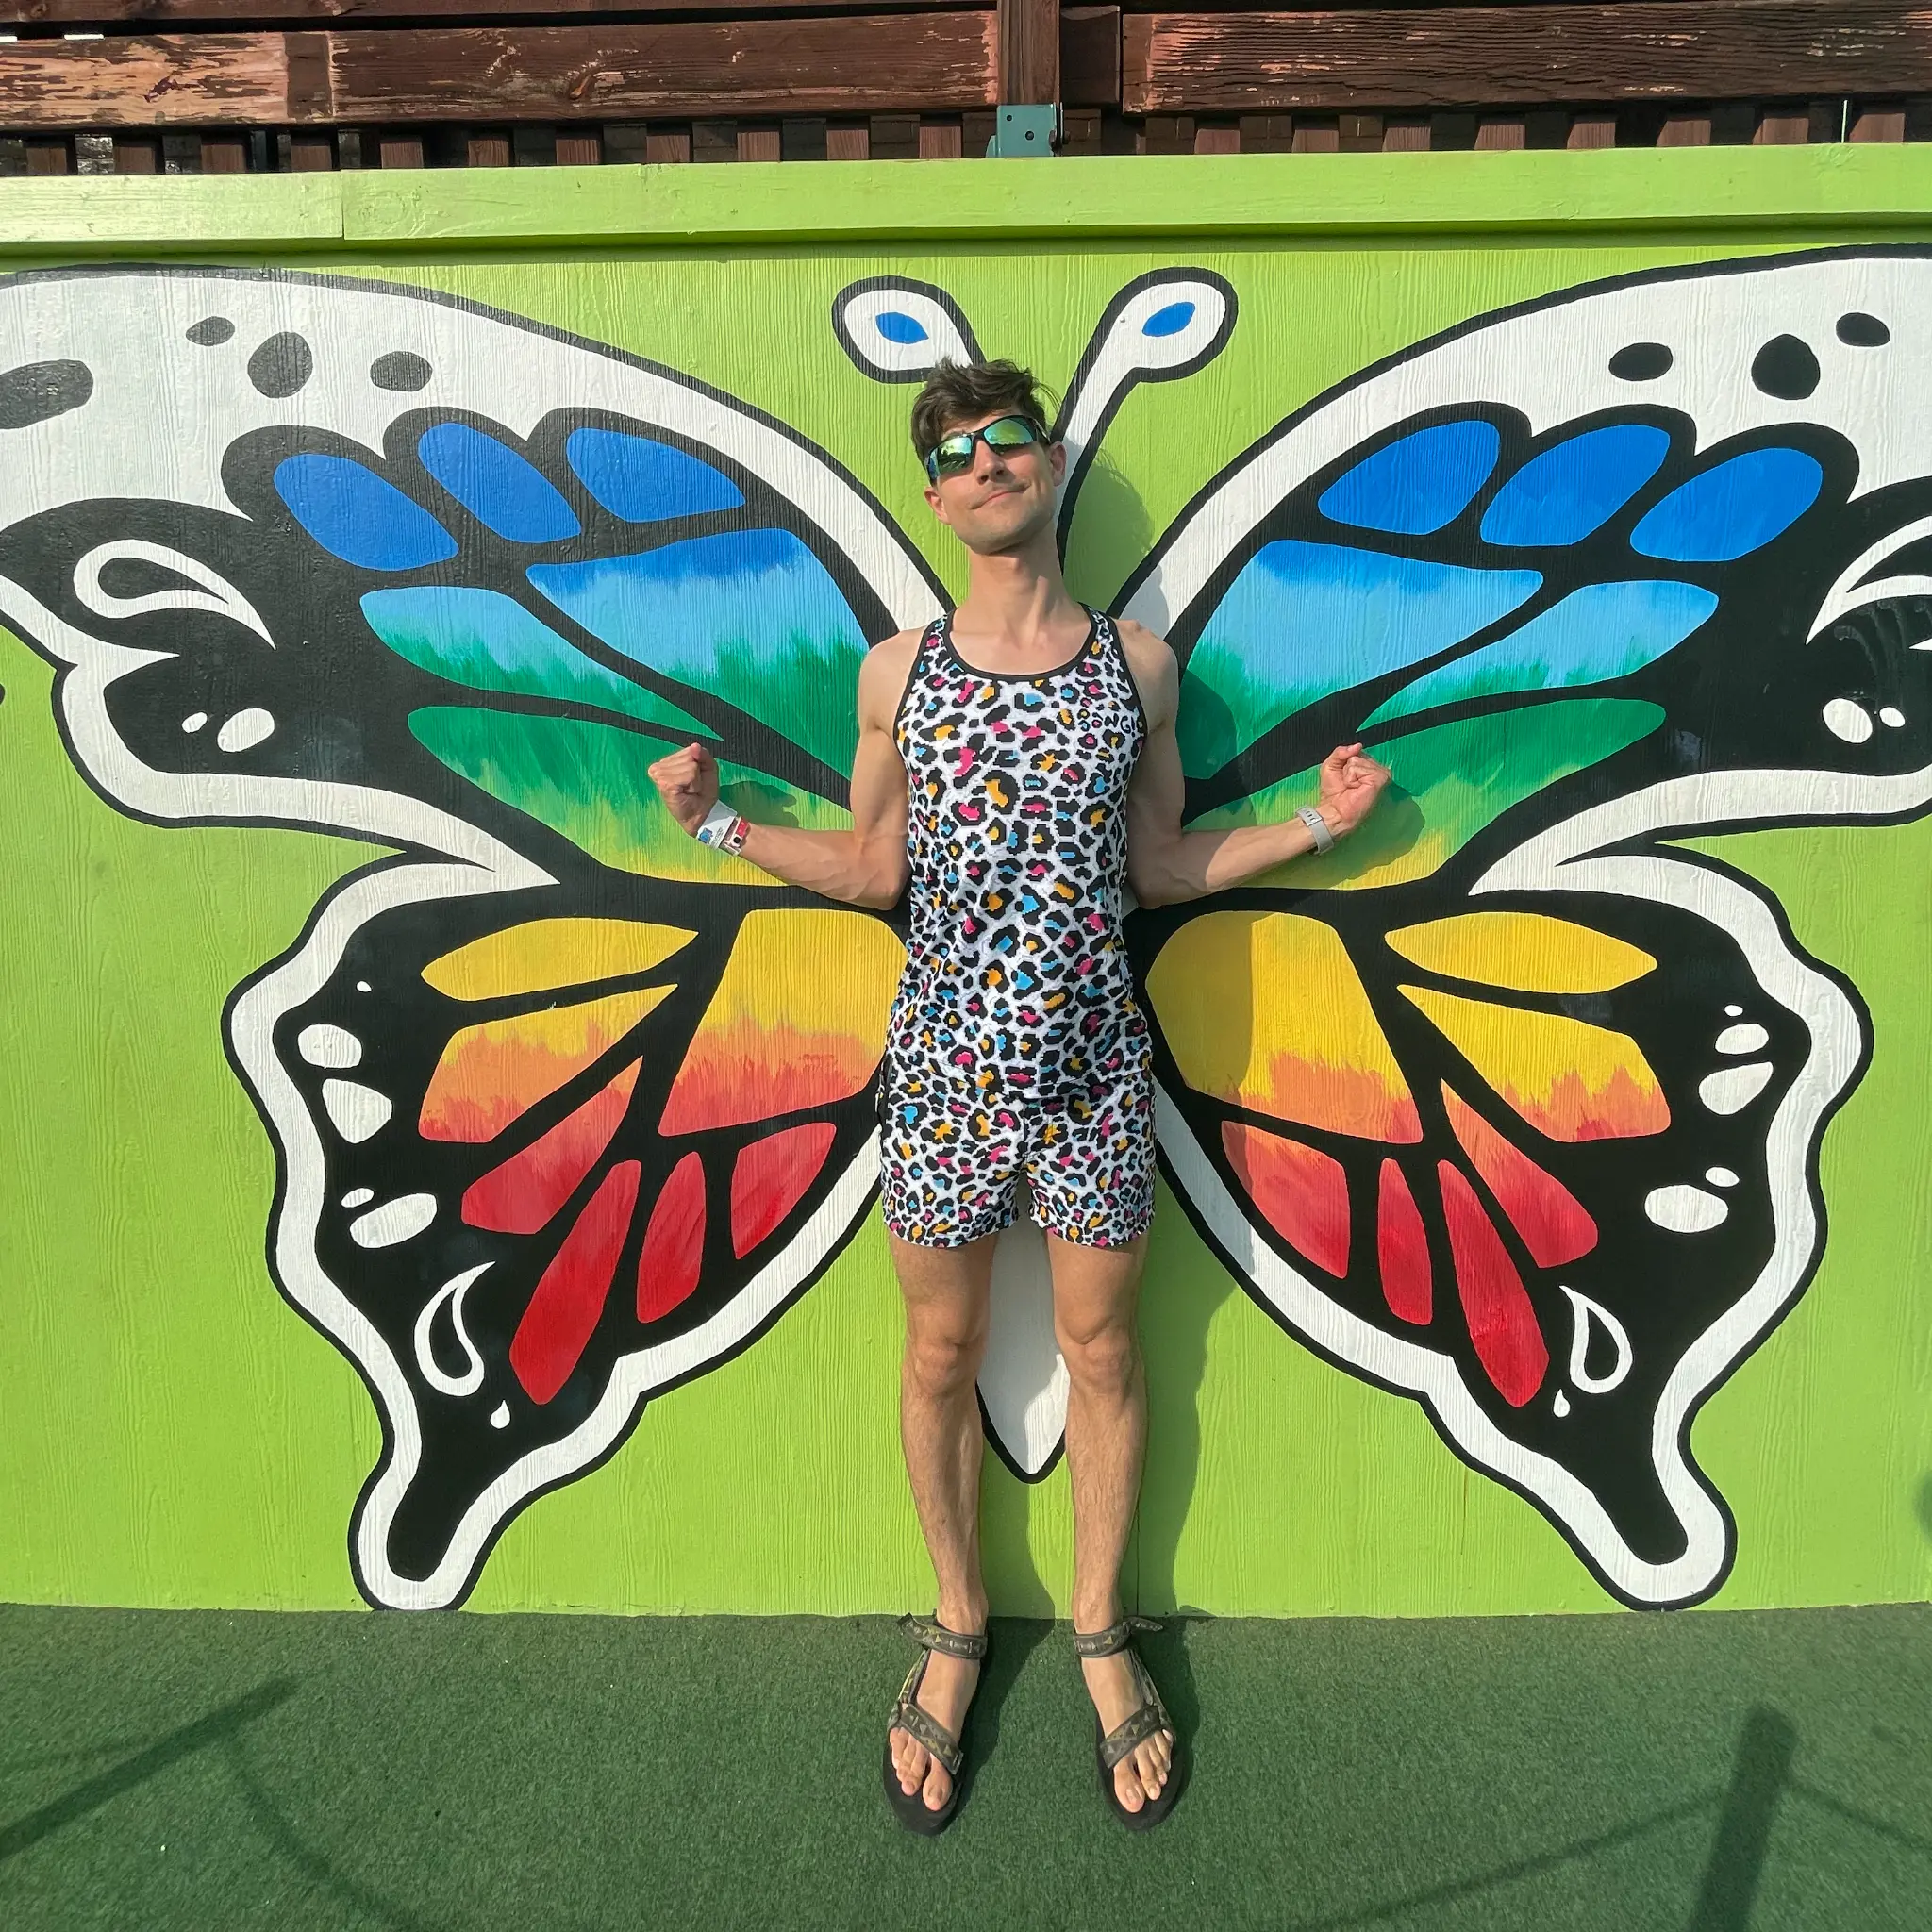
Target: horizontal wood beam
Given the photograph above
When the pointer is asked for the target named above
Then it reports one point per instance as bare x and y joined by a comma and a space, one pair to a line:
157, 15
909, 61
1439, 56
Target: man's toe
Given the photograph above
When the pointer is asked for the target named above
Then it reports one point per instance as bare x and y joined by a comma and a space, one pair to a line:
1126, 1785
937, 1786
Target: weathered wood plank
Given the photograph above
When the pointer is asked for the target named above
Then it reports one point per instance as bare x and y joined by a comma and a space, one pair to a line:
157, 14
1090, 56
1496, 56
677, 71
753, 69
153, 80
1029, 50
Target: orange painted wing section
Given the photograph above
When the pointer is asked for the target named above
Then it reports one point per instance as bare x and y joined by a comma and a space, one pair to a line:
490, 1075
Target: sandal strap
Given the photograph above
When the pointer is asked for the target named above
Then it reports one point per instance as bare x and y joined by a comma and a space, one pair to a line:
921, 1725
1113, 1639
1148, 1721
930, 1634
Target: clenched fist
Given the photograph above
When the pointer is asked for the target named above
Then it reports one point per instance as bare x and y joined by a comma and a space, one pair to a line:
1351, 783
687, 781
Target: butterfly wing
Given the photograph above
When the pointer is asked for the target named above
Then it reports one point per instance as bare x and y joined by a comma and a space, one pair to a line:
1498, 1104
567, 1107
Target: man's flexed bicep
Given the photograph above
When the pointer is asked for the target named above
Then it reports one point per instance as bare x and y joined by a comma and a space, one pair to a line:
865, 866
1166, 865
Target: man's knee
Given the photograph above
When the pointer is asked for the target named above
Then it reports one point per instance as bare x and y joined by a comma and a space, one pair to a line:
1101, 1357
942, 1356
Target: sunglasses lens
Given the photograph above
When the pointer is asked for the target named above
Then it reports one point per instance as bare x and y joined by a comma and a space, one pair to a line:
1009, 432
952, 456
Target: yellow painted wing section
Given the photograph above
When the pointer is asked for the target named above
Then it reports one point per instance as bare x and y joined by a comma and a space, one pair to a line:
544, 953
1567, 1078
798, 1020
1265, 1010
1527, 952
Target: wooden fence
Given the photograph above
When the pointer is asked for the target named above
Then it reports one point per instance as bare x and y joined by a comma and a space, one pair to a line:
232, 85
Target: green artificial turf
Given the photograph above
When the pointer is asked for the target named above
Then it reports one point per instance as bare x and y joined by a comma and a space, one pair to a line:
1708, 1772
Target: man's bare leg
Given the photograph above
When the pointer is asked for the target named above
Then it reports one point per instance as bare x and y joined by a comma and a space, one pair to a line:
1095, 1299
945, 1291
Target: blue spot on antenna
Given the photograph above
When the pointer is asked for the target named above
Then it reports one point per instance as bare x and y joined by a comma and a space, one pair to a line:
354, 514
1169, 320
897, 327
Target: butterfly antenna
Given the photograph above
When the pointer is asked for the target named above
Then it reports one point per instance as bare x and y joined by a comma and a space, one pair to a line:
1165, 325
898, 331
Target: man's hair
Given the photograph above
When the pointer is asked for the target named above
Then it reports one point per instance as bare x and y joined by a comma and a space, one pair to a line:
957, 392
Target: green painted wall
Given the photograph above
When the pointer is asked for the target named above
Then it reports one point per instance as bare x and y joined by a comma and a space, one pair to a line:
172, 1433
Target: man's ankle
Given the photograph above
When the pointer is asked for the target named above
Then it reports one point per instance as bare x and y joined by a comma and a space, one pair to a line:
968, 1619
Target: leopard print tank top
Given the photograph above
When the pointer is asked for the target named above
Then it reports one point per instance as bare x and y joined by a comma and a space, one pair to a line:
1017, 978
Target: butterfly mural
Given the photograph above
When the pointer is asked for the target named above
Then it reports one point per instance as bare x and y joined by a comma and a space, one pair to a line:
1509, 1105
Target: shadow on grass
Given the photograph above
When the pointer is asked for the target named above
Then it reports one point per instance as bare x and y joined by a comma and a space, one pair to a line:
1013, 1640
219, 1726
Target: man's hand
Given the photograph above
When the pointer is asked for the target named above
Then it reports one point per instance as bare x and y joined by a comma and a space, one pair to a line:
1351, 783
687, 781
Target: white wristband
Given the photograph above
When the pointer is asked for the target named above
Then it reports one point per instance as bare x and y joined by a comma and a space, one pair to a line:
723, 830
1318, 828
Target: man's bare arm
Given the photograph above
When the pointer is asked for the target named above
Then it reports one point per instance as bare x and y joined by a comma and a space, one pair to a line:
1166, 865
866, 866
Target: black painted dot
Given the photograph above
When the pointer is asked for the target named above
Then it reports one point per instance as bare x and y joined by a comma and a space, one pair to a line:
399, 369
211, 332
36, 391
1640, 362
282, 365
1858, 331
1785, 368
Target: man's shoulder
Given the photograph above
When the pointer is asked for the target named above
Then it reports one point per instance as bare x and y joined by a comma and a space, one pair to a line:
882, 674
1151, 659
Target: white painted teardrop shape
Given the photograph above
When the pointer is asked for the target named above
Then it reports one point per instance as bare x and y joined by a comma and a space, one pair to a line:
452, 1291
245, 729
356, 1111
499, 1416
1587, 1316
1843, 719
394, 1221
1684, 1209
328, 1046
1750, 1038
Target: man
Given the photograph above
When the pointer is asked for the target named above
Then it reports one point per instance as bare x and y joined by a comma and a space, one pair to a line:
1015, 760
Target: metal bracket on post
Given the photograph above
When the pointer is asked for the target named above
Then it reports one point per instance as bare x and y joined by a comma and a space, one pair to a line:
1018, 132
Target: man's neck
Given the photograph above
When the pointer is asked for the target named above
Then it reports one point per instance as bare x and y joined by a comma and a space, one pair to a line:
1017, 605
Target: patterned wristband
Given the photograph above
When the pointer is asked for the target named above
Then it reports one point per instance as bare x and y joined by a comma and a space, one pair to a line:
723, 830
1318, 828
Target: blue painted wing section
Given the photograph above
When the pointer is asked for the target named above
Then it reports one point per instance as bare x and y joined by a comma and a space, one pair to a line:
1417, 484
750, 615
1599, 632
359, 516
1732, 509
1563, 494
1305, 620
495, 484
491, 643
643, 481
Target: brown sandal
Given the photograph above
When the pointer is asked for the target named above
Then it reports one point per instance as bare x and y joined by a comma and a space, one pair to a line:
1148, 1720
911, 1807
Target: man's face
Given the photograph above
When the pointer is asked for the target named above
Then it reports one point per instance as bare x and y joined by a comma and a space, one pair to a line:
1006, 498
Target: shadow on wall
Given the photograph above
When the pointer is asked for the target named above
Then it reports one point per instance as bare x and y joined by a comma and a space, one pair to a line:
1111, 533
1923, 1503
